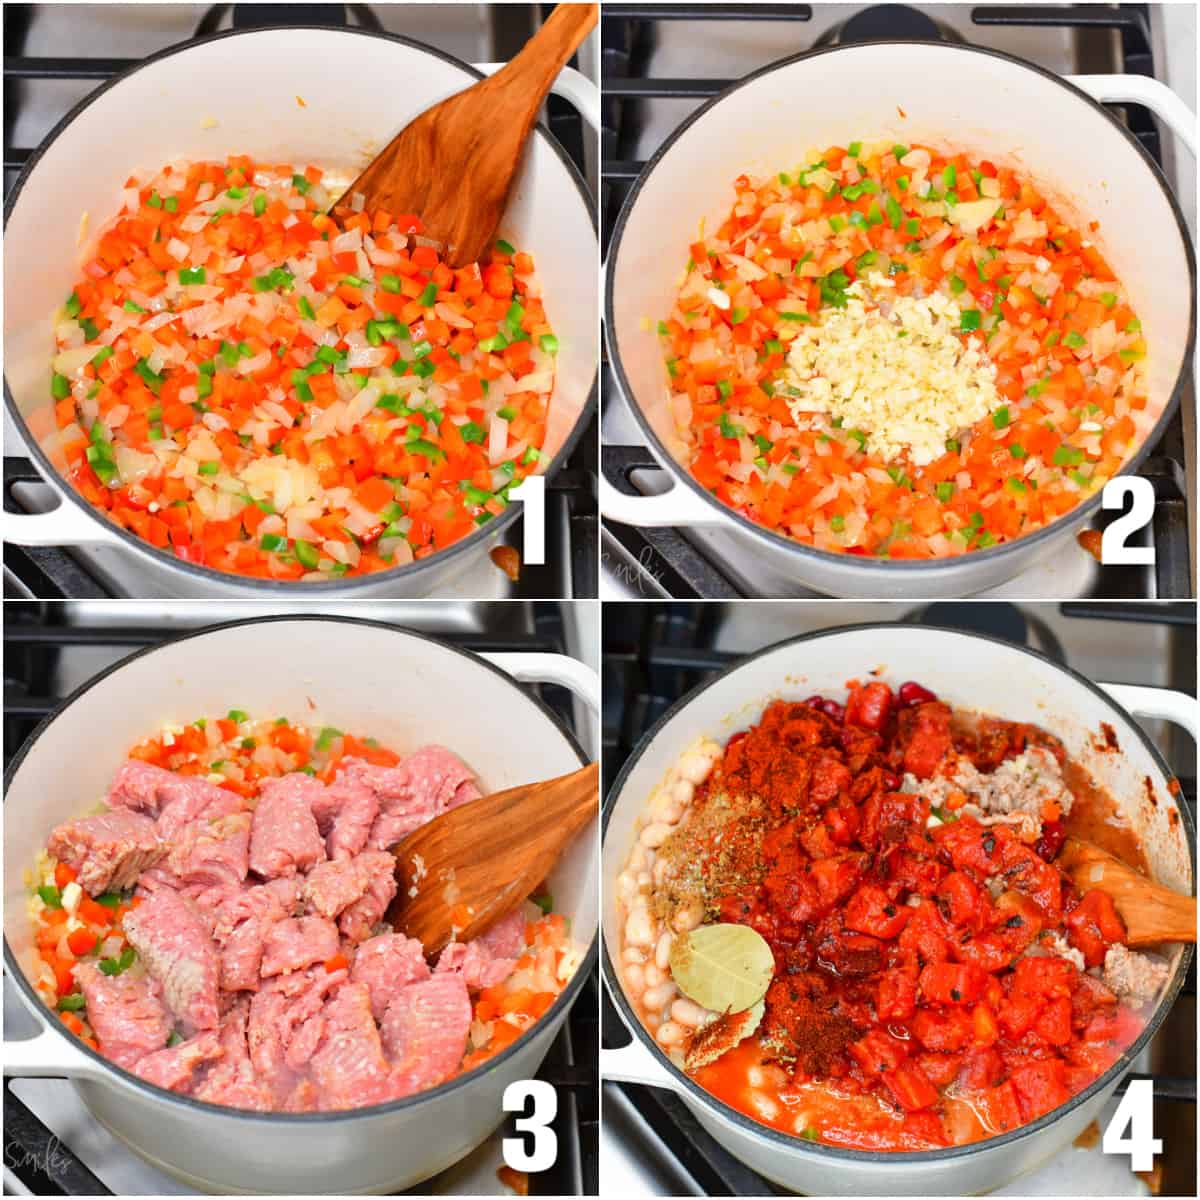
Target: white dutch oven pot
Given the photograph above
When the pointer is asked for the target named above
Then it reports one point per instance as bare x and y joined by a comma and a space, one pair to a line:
970, 671
998, 107
236, 93
405, 689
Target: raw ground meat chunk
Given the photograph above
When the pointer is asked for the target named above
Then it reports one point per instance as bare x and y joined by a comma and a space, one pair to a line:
387, 964
127, 1013
232, 1080
241, 926
1134, 977
213, 852
349, 1068
174, 943
359, 920
425, 1031
425, 785
489, 959
506, 938
333, 886
284, 839
283, 1007
474, 964
172, 800
175, 1067
298, 942
352, 822
109, 850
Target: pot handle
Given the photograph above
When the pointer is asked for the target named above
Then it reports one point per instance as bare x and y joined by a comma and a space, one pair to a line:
678, 506
1139, 89
561, 669
575, 88
635, 1064
1177, 707
64, 525
48, 1054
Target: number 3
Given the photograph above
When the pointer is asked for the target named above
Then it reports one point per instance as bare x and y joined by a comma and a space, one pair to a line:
1113, 550
1136, 1111
541, 1137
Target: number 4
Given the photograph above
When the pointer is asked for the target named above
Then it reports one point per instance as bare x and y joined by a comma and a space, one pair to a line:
1136, 1111
538, 1151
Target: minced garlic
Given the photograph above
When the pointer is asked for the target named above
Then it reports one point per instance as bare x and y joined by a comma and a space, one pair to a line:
896, 368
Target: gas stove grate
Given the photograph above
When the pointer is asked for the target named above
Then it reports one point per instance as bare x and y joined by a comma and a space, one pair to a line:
571, 522
666, 562
654, 653
34, 640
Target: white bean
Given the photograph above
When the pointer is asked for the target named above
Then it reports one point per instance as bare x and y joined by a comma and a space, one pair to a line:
655, 975
662, 952
669, 1033
631, 954
667, 810
764, 1106
654, 835
635, 980
637, 860
626, 884
755, 1077
694, 767
644, 880
683, 791
660, 996
660, 871
639, 928
685, 1012
688, 917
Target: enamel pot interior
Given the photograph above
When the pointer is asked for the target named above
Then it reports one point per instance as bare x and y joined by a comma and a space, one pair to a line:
967, 671
241, 93
976, 101
400, 687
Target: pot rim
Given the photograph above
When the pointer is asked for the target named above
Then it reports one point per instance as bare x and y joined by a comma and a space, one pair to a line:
910, 568
279, 587
124, 1078
797, 1146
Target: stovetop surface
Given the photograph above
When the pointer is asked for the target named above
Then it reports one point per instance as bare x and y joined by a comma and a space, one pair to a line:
52, 1145
661, 61
654, 653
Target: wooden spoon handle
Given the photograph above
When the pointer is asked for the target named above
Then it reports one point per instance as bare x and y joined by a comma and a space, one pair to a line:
528, 76
1152, 913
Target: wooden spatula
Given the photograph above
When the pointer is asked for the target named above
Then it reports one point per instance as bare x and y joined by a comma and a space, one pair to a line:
466, 869
454, 165
1152, 914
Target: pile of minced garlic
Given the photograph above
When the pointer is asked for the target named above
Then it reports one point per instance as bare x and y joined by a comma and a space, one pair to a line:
894, 367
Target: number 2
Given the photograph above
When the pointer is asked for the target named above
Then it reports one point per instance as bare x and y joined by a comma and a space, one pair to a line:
538, 1150
1136, 1111
1113, 550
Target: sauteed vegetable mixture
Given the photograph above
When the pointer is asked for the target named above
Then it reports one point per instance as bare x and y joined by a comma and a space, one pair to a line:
262, 388
902, 352
848, 923
219, 926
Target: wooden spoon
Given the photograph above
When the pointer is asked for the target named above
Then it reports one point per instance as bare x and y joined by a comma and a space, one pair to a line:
463, 871
453, 166
1151, 913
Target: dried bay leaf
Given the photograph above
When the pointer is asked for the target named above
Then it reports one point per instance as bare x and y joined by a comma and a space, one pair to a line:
724, 968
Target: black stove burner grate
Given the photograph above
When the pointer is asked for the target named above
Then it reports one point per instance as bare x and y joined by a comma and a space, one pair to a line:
54, 573
665, 561
655, 653
35, 639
